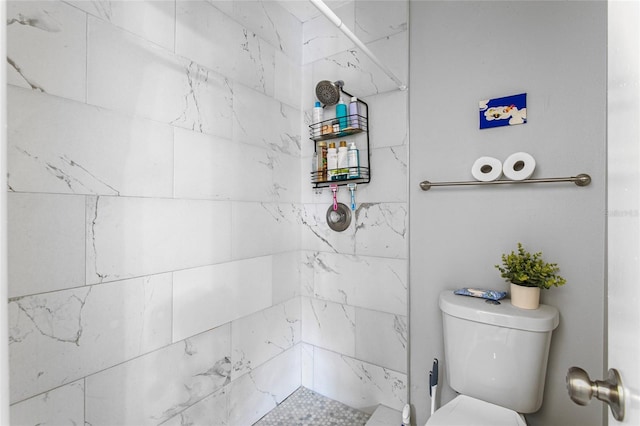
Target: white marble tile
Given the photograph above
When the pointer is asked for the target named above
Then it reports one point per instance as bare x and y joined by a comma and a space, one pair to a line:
381, 229
264, 166
263, 121
47, 47
356, 383
129, 74
130, 237
336, 277
288, 85
369, 282
321, 38
385, 416
261, 336
286, 275
303, 10
316, 234
286, 185
307, 272
307, 97
361, 76
209, 167
275, 224
155, 387
377, 19
204, 34
59, 337
61, 406
206, 101
57, 145
381, 339
256, 393
153, 20
205, 166
389, 119
311, 195
306, 364
45, 239
329, 325
272, 22
389, 174
212, 410
200, 31
253, 174
207, 297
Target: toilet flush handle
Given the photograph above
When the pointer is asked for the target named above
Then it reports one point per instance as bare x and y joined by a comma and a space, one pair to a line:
582, 389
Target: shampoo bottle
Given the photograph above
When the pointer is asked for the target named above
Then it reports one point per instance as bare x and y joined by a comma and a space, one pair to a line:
353, 113
353, 158
332, 161
341, 114
343, 162
318, 114
322, 161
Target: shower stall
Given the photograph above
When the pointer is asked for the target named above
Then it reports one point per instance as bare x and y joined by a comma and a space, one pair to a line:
169, 261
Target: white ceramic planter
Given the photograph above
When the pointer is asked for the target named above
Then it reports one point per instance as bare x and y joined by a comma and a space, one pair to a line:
525, 297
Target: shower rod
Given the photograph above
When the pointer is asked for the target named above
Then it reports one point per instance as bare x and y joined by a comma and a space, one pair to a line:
326, 11
582, 179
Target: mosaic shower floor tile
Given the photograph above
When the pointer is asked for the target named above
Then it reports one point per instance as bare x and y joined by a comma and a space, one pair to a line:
307, 408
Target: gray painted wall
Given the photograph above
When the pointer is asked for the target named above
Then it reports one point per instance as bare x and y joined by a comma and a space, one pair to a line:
462, 52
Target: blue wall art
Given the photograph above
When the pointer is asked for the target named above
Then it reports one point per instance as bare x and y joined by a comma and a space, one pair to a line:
507, 111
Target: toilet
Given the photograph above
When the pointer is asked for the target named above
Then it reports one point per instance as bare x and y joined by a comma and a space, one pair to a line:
496, 359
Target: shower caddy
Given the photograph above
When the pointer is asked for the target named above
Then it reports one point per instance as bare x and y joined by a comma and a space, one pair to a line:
317, 178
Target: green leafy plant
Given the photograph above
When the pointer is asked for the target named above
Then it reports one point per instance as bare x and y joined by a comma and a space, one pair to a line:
529, 270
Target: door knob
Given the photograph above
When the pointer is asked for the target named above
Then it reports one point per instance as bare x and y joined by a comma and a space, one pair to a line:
582, 389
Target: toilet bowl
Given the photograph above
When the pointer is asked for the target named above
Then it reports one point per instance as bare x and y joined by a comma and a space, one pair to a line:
466, 411
486, 347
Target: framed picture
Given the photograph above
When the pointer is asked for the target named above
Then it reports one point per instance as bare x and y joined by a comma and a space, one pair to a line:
506, 111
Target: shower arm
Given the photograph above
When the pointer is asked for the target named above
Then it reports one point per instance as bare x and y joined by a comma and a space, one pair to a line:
326, 11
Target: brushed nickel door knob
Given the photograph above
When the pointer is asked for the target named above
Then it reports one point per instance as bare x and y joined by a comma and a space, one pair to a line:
582, 389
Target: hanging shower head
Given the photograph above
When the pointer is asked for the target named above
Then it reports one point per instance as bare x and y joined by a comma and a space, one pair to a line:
329, 92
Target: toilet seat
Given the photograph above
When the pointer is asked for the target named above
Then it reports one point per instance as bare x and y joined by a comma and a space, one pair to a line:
466, 411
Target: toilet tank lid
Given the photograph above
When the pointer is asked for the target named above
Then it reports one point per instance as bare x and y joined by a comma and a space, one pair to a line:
543, 319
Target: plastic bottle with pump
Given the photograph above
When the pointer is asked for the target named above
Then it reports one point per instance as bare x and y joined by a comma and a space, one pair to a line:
318, 116
332, 161
343, 162
341, 114
354, 120
322, 161
353, 160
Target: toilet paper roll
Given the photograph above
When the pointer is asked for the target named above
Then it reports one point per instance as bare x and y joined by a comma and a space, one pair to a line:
519, 166
486, 169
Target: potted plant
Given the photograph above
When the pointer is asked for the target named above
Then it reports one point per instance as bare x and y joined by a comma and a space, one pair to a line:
528, 273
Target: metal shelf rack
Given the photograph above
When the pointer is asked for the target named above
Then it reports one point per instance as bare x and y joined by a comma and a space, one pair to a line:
318, 178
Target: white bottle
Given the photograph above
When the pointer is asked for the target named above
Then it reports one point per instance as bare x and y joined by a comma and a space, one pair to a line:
354, 120
318, 116
342, 115
343, 162
332, 161
353, 160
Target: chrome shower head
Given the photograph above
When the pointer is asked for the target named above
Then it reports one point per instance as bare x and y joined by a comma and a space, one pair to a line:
328, 92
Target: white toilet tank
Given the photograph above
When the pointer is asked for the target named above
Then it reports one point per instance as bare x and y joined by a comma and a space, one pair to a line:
497, 353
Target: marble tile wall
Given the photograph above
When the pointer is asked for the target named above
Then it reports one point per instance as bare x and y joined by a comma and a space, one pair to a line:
169, 262
154, 211
354, 283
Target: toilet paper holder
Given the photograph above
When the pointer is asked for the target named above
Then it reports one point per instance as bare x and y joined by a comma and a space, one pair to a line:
582, 179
